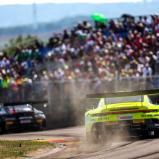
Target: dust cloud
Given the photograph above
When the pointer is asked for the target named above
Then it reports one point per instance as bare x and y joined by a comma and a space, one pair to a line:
79, 105
117, 135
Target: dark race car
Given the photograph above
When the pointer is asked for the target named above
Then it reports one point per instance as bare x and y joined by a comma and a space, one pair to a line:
21, 117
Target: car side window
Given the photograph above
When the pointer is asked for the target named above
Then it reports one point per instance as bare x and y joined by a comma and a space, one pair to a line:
101, 102
2, 111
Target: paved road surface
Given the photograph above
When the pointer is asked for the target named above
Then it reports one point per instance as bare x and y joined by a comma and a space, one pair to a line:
73, 145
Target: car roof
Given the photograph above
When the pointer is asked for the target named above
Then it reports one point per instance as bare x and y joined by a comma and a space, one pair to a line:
123, 94
23, 103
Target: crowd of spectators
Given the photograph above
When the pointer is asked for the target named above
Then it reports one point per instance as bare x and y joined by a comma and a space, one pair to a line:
123, 47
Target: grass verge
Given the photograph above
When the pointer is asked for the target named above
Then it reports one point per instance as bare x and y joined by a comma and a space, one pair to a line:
17, 149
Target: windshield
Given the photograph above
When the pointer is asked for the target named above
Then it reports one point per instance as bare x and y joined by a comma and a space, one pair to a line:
123, 99
19, 108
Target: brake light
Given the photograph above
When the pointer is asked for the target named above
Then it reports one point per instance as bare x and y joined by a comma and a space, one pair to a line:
12, 111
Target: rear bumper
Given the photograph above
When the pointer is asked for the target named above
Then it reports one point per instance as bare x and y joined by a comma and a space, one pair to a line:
147, 124
23, 124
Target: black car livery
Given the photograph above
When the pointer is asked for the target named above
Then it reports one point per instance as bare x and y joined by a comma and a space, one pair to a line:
21, 116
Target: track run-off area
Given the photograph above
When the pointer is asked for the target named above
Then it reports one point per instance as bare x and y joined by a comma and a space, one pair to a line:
71, 144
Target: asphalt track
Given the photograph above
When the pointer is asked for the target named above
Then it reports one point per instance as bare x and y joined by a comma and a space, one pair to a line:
71, 144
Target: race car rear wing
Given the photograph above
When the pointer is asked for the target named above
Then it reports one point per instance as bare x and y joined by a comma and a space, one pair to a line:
123, 94
26, 102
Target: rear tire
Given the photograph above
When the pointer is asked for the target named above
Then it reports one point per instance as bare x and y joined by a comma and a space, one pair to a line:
40, 127
146, 134
92, 137
1, 130
97, 134
157, 133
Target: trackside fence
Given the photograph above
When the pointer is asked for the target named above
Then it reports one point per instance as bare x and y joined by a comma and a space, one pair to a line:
67, 99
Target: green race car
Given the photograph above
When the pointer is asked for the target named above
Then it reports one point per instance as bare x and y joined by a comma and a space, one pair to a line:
136, 111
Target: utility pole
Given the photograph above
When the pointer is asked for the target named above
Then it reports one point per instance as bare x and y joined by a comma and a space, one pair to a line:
34, 9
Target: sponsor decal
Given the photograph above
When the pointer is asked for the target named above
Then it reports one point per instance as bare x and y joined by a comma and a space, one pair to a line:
125, 117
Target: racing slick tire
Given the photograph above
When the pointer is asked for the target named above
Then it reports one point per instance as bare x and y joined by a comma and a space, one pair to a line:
156, 133
1, 130
98, 134
146, 134
92, 137
41, 127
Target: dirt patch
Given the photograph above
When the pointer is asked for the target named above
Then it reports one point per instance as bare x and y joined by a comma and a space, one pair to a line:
39, 152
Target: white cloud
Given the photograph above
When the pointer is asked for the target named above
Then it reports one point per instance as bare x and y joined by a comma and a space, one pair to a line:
2, 2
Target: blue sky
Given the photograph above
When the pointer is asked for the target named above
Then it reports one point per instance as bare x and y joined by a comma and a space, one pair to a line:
23, 14
2, 2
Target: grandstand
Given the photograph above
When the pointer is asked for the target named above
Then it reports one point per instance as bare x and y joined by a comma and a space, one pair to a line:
124, 47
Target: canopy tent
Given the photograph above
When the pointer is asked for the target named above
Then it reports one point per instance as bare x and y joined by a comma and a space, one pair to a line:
98, 17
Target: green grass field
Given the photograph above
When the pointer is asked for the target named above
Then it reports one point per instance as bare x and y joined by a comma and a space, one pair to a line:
17, 149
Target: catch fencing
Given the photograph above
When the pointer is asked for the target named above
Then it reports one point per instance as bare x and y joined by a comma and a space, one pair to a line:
66, 100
